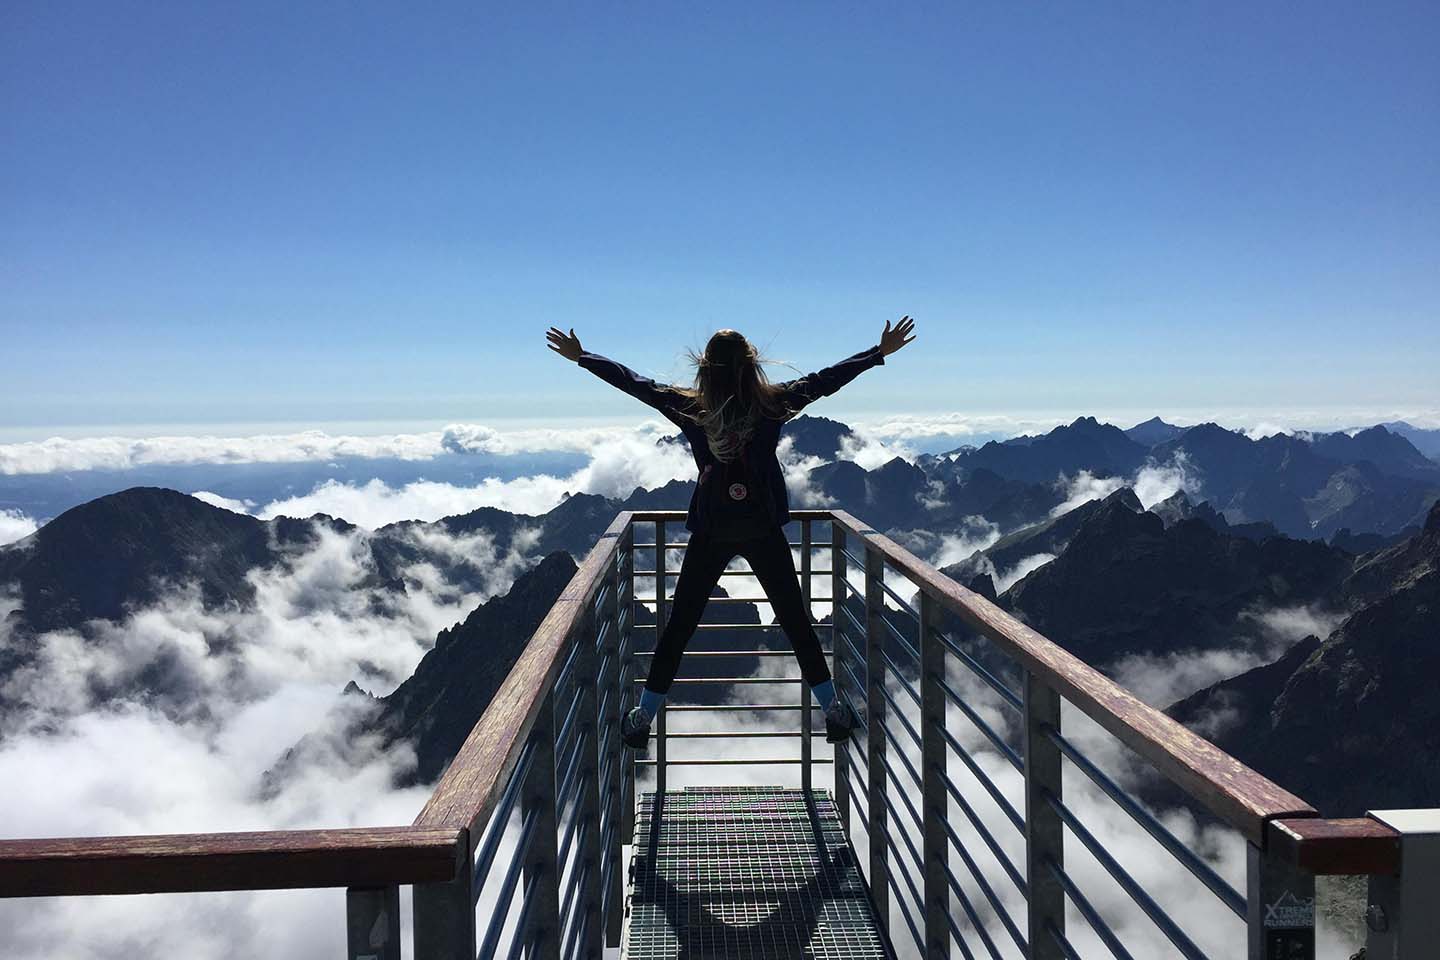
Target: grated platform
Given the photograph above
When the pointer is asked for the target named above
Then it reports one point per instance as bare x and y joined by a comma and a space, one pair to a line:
746, 872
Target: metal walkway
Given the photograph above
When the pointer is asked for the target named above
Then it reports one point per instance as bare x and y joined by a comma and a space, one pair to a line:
746, 872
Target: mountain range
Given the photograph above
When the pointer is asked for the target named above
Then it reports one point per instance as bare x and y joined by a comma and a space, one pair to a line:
1340, 521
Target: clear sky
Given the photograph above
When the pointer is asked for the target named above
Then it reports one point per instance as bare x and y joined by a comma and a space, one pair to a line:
306, 212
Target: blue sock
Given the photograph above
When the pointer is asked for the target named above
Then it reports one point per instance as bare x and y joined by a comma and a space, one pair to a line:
650, 702
824, 693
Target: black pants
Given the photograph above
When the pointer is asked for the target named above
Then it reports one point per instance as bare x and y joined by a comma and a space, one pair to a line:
705, 559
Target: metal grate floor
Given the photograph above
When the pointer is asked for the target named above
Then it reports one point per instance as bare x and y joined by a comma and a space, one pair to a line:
746, 872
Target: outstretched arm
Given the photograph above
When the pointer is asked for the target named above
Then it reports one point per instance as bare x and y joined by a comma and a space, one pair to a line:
616, 374
822, 383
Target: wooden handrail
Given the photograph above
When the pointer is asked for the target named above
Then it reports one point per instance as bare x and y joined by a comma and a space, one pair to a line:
475, 778
188, 863
1354, 846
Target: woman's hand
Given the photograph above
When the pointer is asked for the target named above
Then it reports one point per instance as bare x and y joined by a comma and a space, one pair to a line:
892, 340
567, 346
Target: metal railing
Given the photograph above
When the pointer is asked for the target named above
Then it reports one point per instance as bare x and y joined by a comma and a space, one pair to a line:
532, 815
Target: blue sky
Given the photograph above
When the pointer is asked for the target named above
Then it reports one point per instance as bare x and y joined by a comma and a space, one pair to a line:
325, 212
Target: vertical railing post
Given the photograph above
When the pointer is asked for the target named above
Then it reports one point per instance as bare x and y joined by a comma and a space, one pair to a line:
444, 914
619, 816
587, 807
1279, 908
875, 711
626, 689
934, 802
1401, 918
372, 923
838, 595
660, 566
805, 718
1044, 830
542, 868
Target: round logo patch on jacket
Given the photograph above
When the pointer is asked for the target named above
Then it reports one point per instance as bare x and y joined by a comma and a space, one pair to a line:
738, 491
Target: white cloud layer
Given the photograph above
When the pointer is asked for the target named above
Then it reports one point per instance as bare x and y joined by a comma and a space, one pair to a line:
239, 688
1152, 483
15, 525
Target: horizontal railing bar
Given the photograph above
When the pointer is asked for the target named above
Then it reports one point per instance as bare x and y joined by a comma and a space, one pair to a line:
500, 817
731, 734
262, 860
814, 572
995, 903
1229, 789
709, 654
737, 707
1000, 799
1203, 872
895, 672
905, 911
977, 668
734, 761
899, 637
903, 603
518, 939
735, 626
909, 728
953, 882
682, 544
1121, 876
1065, 946
1091, 915
576, 829
996, 851
575, 921
507, 885
650, 516
729, 680
957, 936
563, 734
999, 743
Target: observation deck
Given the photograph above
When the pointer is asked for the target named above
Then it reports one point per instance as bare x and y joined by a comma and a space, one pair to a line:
998, 803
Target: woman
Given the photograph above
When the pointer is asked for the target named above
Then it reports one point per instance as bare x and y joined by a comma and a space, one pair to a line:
732, 418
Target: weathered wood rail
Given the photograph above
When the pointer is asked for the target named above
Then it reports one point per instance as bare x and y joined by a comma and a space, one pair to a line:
542, 788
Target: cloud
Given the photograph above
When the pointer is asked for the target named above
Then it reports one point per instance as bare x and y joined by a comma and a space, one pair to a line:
616, 468
1152, 483
169, 720
15, 525
58, 454
976, 533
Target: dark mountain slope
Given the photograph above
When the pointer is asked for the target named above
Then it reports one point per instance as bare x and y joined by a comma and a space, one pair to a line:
1085, 444
436, 707
1153, 431
122, 551
1127, 584
1355, 724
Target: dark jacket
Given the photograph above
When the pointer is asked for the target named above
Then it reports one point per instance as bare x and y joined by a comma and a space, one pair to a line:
760, 453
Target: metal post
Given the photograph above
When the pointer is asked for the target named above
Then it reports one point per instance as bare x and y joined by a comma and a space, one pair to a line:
1280, 909
1044, 830
805, 687
444, 915
838, 594
875, 710
587, 807
626, 690
660, 599
1402, 917
621, 813
542, 868
372, 923
934, 802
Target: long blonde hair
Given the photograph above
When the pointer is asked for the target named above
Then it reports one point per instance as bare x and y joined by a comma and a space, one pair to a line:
731, 393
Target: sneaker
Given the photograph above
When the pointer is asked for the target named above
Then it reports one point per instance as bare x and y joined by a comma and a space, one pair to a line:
635, 728
841, 721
